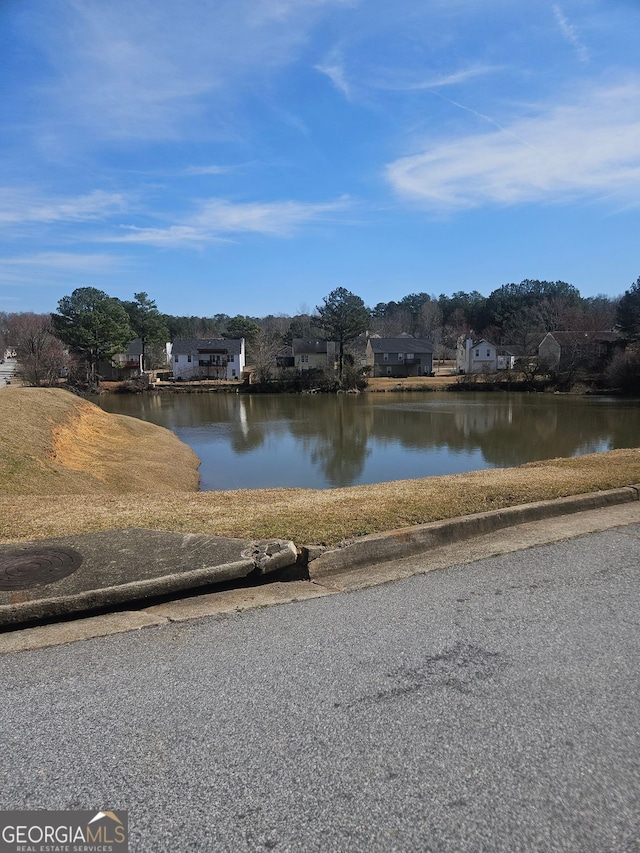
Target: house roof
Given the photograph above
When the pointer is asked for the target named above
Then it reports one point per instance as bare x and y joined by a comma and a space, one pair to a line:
584, 337
135, 347
302, 346
511, 349
401, 344
185, 346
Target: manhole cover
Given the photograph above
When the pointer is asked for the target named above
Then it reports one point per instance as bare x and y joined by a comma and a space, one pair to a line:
24, 569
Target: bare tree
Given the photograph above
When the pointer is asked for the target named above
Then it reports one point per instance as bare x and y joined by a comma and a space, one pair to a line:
4, 331
262, 353
41, 355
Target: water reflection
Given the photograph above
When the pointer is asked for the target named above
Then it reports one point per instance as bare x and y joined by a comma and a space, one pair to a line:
337, 440
258, 441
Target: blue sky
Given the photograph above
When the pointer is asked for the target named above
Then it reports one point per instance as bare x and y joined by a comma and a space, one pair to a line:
249, 156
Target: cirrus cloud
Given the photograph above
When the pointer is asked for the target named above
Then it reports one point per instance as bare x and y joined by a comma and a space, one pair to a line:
589, 149
218, 218
21, 205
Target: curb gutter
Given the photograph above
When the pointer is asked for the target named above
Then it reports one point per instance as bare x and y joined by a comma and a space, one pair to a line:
262, 557
409, 541
269, 556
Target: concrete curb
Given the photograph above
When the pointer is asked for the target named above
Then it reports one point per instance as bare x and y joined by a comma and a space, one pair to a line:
260, 557
268, 556
408, 541
31, 611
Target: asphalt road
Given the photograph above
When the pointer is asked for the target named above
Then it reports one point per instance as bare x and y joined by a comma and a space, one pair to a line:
493, 706
7, 369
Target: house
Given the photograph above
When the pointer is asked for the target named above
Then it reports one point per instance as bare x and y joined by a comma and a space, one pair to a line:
313, 354
123, 365
208, 358
568, 349
399, 357
476, 356
284, 357
508, 355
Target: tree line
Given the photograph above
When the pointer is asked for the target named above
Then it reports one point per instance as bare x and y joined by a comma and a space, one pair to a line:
90, 326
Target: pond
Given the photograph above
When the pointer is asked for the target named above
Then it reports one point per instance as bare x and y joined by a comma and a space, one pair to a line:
248, 441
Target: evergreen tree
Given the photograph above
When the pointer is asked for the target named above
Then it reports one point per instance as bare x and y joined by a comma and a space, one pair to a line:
342, 316
147, 322
94, 325
628, 314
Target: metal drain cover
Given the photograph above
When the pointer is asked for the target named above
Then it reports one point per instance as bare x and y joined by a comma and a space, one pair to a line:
37, 567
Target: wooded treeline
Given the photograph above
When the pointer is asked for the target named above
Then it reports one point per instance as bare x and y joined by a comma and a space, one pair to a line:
95, 326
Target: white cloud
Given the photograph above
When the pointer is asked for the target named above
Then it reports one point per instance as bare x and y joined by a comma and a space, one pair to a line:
52, 268
336, 74
173, 236
147, 69
570, 33
208, 170
436, 82
24, 205
588, 149
280, 218
217, 219
97, 262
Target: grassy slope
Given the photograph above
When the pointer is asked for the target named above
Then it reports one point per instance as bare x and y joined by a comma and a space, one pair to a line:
120, 454
54, 443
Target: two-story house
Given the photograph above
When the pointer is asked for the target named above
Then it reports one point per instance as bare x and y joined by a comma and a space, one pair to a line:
476, 356
399, 357
313, 354
208, 358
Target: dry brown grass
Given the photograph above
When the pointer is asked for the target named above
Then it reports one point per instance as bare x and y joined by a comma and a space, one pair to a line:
54, 443
67, 467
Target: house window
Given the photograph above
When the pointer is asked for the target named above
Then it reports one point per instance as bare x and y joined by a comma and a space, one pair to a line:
488, 353
176, 359
385, 356
388, 371
304, 359
410, 356
189, 358
230, 357
400, 356
477, 353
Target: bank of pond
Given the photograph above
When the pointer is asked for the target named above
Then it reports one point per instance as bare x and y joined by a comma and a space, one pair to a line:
335, 440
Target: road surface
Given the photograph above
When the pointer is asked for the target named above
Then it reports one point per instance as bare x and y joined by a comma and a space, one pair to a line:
7, 369
492, 706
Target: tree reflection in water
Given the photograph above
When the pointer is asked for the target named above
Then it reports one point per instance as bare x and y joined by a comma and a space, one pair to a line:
322, 441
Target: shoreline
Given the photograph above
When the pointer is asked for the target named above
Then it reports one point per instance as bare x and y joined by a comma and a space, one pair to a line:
115, 472
376, 386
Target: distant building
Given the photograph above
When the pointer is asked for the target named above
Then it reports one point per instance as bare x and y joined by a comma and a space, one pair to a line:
476, 356
208, 358
399, 357
564, 349
284, 357
309, 354
123, 365
508, 355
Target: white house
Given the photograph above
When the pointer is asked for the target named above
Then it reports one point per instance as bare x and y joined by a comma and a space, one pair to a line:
208, 359
509, 355
477, 356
